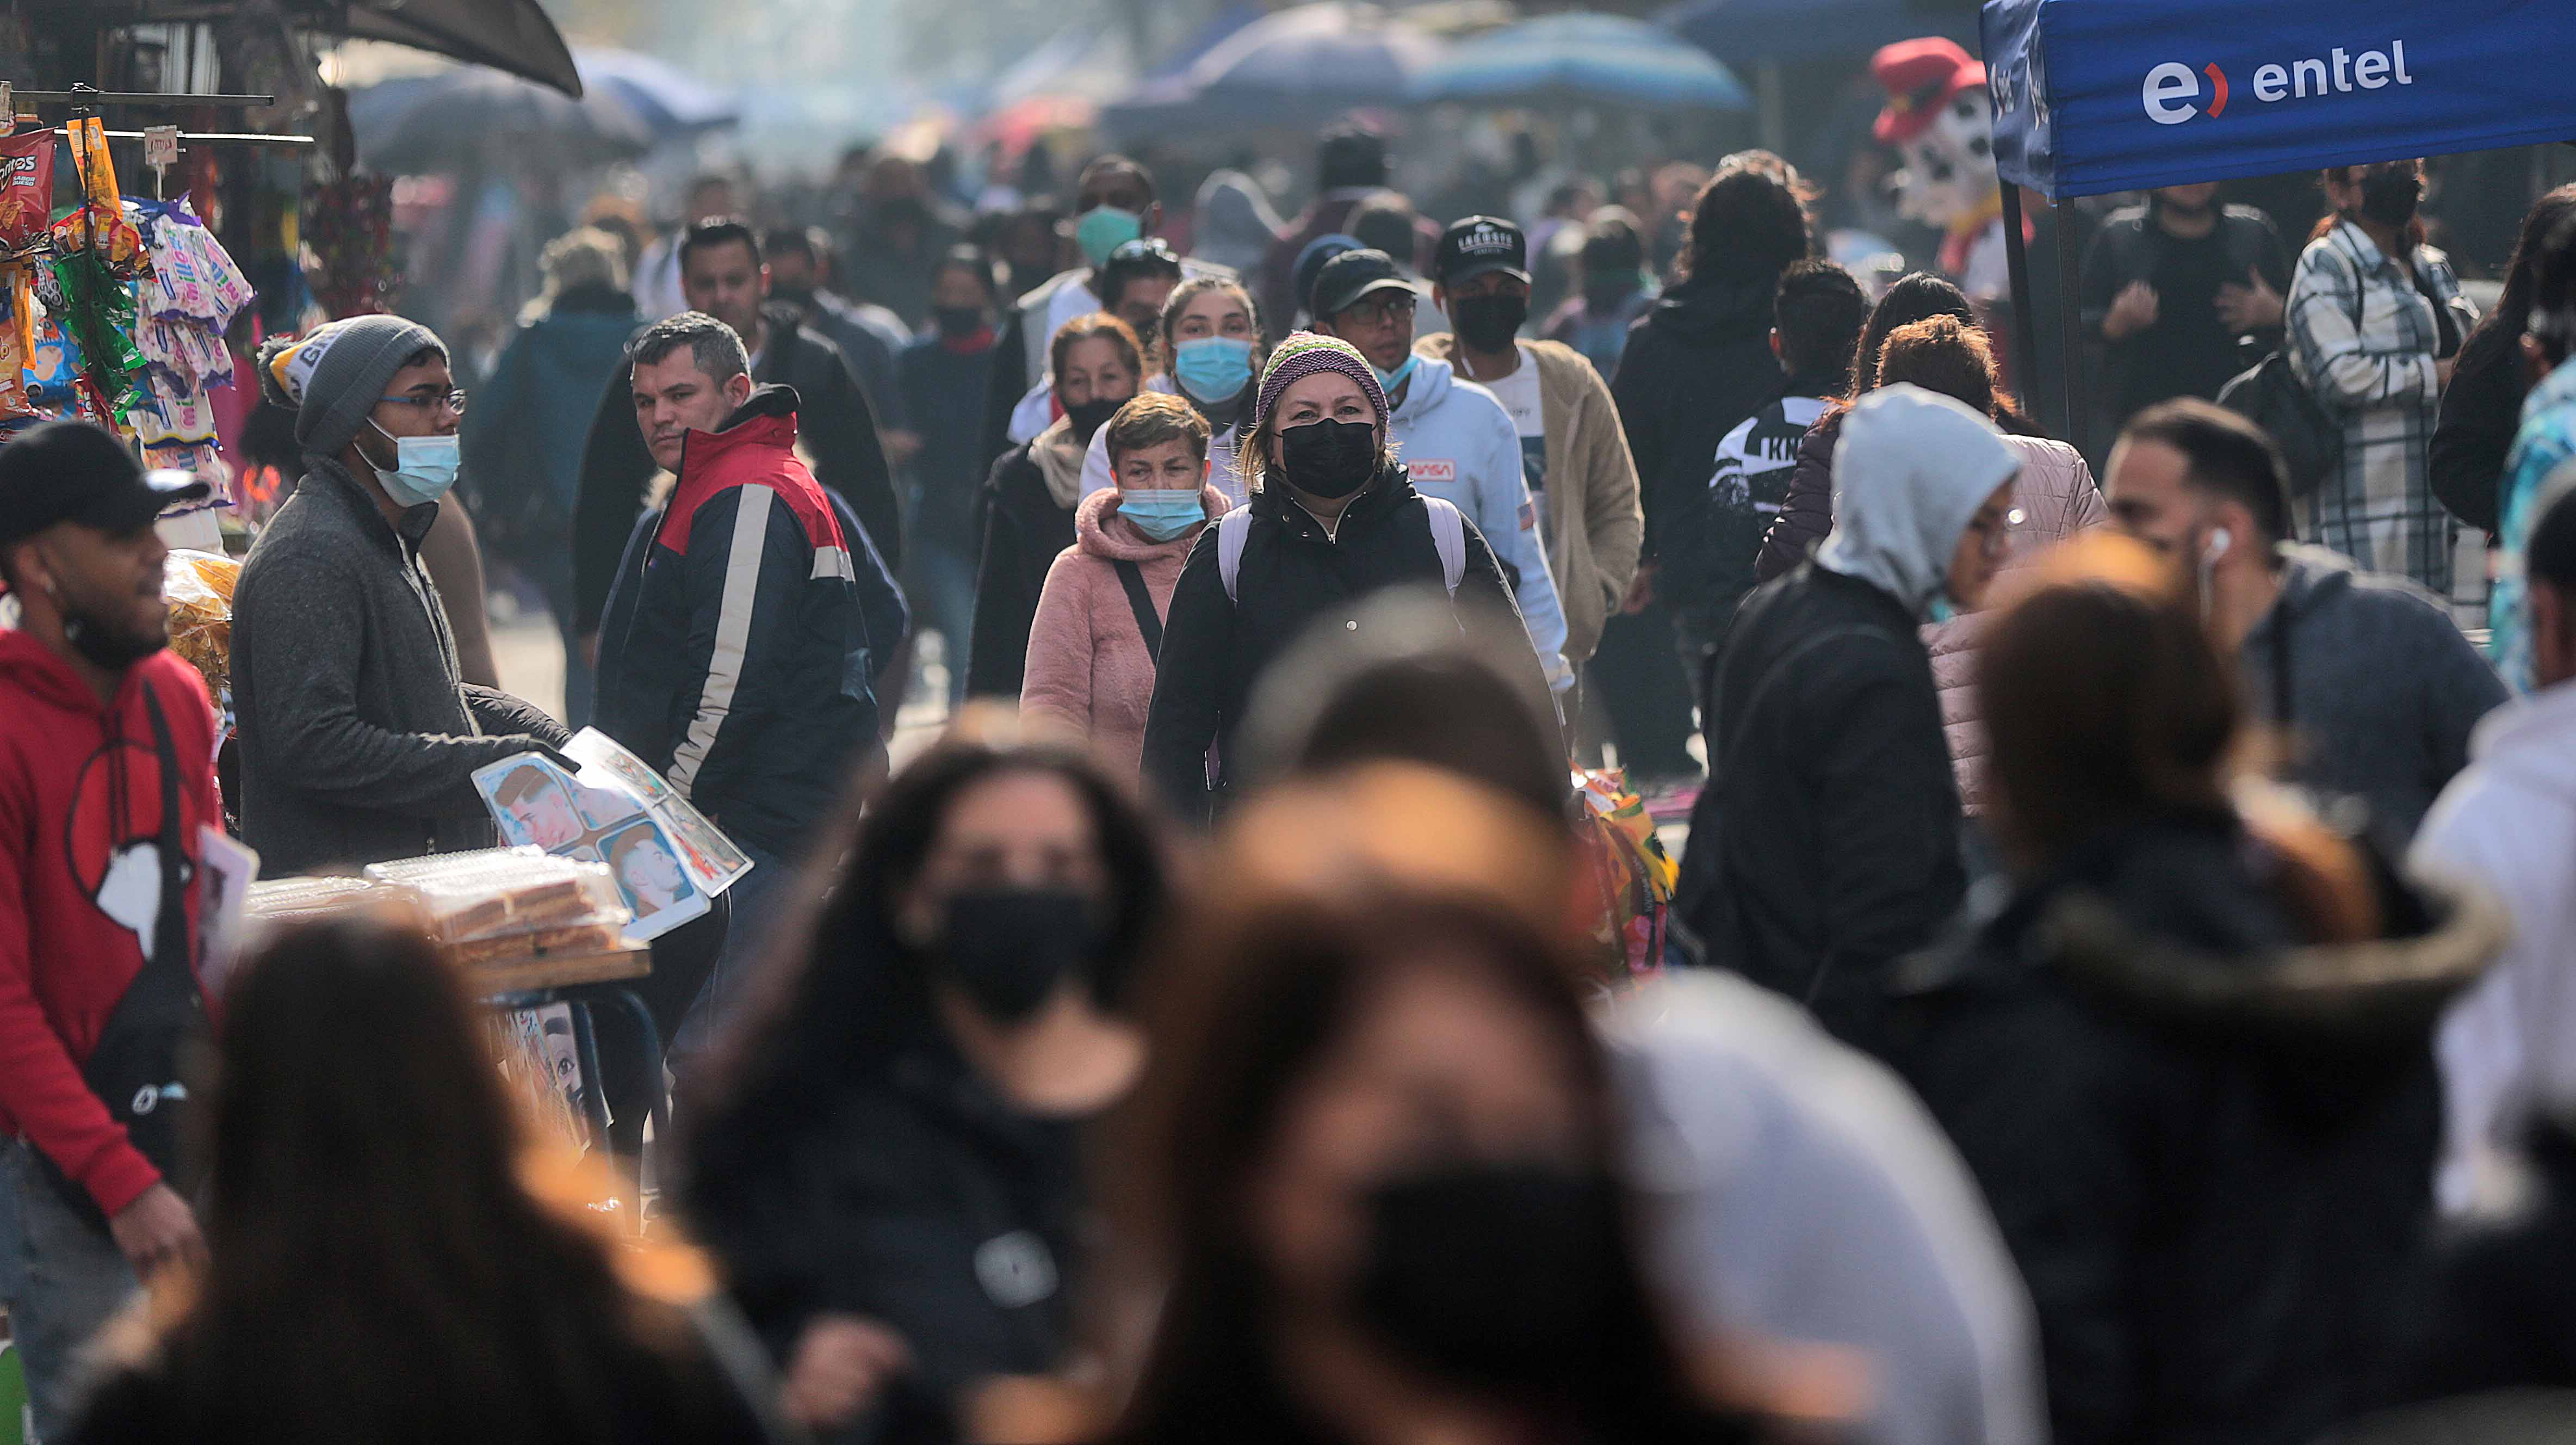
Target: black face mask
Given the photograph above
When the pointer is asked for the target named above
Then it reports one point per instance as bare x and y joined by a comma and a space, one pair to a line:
958, 321
1329, 458
800, 298
1091, 416
1507, 1277
1488, 323
1005, 948
2391, 196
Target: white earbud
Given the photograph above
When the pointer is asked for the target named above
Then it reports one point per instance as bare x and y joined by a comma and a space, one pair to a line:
2220, 539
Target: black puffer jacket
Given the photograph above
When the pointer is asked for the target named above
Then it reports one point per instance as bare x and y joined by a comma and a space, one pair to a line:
1696, 365
2208, 1142
1294, 577
1826, 841
919, 1201
1024, 529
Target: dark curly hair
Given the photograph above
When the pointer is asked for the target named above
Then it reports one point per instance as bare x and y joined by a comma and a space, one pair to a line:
1750, 220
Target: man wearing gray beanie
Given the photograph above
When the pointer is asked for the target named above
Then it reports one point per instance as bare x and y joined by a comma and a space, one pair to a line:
359, 740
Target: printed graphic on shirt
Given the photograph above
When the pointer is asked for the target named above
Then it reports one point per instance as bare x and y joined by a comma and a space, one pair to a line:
1518, 393
1756, 459
1433, 472
113, 836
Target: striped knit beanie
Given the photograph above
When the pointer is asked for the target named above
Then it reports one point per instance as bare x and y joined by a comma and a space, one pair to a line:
1305, 354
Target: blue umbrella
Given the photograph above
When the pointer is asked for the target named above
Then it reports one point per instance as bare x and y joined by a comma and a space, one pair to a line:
1585, 59
665, 97
1746, 31
1295, 68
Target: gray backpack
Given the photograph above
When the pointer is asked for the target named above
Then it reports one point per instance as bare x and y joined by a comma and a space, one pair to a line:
1448, 534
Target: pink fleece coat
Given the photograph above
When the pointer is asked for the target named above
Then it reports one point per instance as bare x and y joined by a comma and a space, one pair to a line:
2057, 498
1087, 665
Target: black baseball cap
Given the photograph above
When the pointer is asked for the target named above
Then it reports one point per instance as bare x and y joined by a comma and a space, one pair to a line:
1353, 275
72, 471
1474, 245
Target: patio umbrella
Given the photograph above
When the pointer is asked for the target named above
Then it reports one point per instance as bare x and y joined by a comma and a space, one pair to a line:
1296, 68
450, 120
665, 97
1748, 31
1582, 59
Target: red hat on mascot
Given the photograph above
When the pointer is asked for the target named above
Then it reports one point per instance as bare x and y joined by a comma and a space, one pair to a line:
1920, 77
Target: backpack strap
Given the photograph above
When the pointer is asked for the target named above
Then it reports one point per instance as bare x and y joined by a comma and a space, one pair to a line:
1449, 535
1141, 601
1232, 529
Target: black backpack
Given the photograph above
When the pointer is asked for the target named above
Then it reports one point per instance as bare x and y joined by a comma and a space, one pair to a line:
2271, 395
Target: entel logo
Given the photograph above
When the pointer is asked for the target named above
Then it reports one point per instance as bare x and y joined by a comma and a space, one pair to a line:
2173, 88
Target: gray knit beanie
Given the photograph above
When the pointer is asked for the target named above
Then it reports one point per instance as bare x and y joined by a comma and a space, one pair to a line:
332, 376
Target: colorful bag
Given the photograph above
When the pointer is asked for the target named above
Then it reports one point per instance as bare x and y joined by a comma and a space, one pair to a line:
1632, 876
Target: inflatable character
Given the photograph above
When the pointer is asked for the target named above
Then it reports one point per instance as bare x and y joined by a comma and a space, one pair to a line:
1940, 118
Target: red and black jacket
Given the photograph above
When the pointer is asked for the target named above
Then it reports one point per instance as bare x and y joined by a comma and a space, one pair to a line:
734, 655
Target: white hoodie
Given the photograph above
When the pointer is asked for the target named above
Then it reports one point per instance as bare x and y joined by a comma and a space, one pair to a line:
2508, 825
1457, 443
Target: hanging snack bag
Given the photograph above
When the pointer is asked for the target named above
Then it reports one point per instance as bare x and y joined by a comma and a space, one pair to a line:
26, 201
26, 188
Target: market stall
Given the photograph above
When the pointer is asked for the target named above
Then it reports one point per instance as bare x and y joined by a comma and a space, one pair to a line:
2096, 96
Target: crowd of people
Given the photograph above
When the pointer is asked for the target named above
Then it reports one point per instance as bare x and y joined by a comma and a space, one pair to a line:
2109, 994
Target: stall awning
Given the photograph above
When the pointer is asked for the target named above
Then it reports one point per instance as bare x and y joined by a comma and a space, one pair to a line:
2093, 96
512, 36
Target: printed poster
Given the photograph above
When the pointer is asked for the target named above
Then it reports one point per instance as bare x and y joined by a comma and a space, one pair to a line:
665, 857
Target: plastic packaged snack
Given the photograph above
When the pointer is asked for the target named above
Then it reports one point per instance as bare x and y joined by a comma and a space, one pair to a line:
469, 898
275, 901
26, 188
199, 588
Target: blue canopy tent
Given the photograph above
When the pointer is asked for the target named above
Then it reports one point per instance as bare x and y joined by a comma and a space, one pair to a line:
2094, 96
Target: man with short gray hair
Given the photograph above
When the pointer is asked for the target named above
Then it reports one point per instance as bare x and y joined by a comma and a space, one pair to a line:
734, 651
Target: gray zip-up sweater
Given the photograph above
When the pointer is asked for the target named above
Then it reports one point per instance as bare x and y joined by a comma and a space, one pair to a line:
358, 741
2383, 687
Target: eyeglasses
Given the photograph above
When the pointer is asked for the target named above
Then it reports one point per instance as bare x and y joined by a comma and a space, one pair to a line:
1391, 307
453, 400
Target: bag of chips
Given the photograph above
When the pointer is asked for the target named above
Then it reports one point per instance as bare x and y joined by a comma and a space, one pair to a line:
26, 188
199, 589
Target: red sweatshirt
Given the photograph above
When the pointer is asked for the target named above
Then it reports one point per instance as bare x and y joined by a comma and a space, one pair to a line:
78, 782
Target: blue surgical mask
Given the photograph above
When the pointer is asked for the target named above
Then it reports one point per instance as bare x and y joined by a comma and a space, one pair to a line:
1104, 229
1162, 514
423, 471
1388, 381
1213, 369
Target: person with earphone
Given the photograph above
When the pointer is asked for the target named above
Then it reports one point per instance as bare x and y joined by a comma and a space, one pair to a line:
2371, 689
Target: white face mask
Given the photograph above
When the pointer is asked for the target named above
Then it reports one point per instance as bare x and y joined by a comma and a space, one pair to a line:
424, 468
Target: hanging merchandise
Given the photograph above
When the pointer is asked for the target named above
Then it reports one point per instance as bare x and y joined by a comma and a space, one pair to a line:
26, 203
191, 296
96, 253
349, 224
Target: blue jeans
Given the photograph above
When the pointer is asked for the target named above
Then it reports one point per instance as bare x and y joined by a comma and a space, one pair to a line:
943, 594
759, 899
64, 1279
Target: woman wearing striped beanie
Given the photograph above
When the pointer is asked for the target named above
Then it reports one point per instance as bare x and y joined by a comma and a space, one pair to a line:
1332, 520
